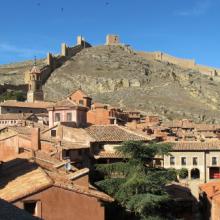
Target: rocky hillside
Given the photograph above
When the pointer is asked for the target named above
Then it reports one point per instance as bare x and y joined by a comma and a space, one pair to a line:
14, 73
118, 76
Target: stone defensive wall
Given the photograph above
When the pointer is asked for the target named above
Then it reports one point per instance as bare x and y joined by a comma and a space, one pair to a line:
52, 62
184, 63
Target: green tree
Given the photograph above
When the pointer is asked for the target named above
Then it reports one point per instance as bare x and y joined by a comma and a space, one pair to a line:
183, 173
134, 183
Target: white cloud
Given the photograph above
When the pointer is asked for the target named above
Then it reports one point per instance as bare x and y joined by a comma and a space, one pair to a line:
20, 52
200, 8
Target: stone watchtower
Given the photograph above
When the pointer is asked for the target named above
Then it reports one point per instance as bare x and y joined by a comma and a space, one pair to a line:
112, 39
35, 92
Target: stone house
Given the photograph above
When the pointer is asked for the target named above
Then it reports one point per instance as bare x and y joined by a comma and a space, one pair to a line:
102, 114
107, 137
13, 106
67, 112
63, 143
47, 192
17, 119
201, 159
80, 98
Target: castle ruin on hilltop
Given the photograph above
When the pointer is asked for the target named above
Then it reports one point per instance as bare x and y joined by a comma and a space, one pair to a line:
53, 62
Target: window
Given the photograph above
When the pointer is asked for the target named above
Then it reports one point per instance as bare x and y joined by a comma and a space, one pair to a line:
214, 161
30, 206
172, 160
69, 116
183, 161
53, 133
195, 161
81, 102
57, 116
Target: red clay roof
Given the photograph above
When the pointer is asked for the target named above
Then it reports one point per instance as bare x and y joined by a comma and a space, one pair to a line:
212, 190
80, 91
107, 154
37, 104
113, 133
15, 116
22, 180
195, 145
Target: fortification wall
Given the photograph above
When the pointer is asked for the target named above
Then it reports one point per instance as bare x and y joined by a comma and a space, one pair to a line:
185, 63
52, 62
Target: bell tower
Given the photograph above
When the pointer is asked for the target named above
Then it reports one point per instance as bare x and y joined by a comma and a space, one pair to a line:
35, 92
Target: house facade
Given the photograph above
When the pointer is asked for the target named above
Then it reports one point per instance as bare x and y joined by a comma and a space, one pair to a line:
201, 159
67, 112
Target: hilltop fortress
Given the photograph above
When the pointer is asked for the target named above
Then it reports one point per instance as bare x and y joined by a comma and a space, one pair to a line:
55, 61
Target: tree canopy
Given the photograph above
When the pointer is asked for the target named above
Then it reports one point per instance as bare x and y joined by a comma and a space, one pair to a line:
135, 183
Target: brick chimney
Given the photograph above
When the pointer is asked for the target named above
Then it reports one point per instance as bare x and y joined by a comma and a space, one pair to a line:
35, 138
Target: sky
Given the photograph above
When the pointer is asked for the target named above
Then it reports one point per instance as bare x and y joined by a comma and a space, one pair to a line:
182, 28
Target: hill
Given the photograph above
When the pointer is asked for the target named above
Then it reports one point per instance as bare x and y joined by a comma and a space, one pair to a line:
119, 76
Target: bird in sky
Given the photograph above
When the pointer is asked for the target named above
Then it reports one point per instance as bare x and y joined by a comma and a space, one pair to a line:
107, 3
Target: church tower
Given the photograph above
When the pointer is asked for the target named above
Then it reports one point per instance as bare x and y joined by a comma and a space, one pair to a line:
35, 92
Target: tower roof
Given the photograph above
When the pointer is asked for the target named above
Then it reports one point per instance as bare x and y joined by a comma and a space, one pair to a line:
35, 69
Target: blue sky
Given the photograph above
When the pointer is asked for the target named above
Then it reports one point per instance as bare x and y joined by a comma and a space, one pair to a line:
183, 28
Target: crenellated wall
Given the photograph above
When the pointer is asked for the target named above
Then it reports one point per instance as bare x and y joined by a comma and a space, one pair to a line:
52, 62
185, 63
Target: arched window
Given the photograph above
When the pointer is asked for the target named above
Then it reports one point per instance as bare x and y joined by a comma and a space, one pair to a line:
195, 173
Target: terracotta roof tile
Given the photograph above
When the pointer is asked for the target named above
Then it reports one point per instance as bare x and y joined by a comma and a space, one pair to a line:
37, 104
66, 103
210, 188
113, 133
85, 191
19, 181
15, 116
196, 145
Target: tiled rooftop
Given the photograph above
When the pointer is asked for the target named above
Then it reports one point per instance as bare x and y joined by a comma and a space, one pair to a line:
113, 133
212, 190
37, 104
15, 116
107, 154
21, 180
195, 145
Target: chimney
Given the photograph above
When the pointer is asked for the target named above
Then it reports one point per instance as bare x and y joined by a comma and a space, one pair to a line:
35, 138
60, 132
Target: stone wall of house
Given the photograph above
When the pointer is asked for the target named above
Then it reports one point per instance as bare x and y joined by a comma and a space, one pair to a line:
189, 164
59, 203
99, 116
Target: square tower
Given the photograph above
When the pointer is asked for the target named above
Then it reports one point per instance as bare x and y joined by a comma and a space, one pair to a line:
112, 39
